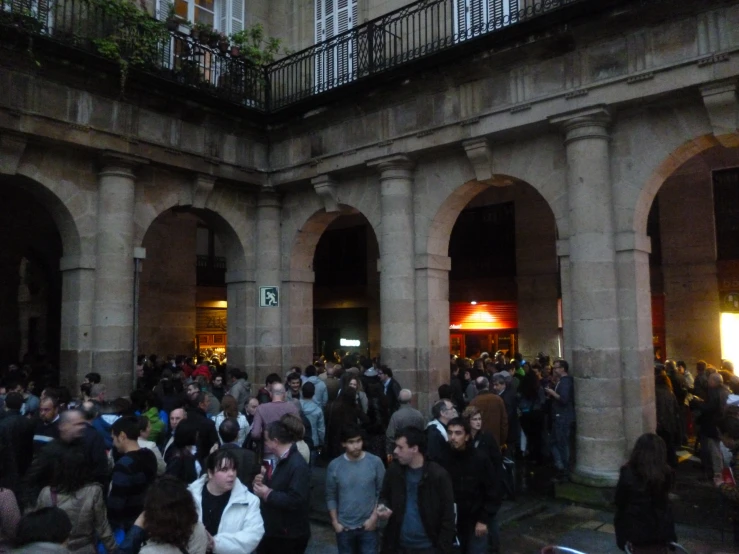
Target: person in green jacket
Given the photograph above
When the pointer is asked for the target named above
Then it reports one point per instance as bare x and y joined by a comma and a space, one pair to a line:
147, 403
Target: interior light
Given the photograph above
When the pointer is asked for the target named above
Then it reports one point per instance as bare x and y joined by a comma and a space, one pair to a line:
348, 342
474, 302
730, 336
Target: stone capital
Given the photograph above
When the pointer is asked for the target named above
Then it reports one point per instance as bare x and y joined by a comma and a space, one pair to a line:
326, 188
76, 261
589, 123
12, 147
481, 157
563, 248
268, 198
240, 276
298, 276
722, 105
202, 186
628, 240
432, 261
121, 165
396, 165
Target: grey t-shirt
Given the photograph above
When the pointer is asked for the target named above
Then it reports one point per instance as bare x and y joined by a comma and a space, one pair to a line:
353, 487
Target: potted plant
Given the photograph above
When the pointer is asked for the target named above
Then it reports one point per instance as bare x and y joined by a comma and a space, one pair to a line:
223, 43
201, 32
213, 39
172, 20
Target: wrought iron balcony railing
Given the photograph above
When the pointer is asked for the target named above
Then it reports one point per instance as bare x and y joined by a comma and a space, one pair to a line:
415, 32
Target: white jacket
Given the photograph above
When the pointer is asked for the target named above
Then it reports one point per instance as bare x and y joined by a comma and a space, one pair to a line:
241, 526
150, 445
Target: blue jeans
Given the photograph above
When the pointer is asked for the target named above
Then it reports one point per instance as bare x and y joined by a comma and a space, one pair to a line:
357, 541
561, 430
470, 544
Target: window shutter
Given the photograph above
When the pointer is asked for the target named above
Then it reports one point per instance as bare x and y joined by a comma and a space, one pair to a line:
161, 7
343, 49
477, 19
495, 9
237, 16
221, 22
460, 19
513, 11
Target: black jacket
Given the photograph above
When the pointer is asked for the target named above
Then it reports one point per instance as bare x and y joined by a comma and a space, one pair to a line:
438, 449
475, 487
20, 432
712, 410
285, 512
207, 434
435, 504
96, 456
643, 517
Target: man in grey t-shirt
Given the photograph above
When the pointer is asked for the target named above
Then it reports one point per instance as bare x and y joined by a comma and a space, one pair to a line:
353, 484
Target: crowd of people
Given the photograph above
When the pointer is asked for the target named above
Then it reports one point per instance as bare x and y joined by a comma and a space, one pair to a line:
197, 459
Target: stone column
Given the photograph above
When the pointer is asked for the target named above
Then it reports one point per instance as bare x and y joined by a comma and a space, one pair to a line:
241, 313
78, 297
268, 351
397, 268
432, 326
112, 343
594, 330
297, 317
635, 321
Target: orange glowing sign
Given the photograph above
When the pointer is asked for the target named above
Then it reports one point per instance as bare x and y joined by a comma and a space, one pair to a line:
483, 316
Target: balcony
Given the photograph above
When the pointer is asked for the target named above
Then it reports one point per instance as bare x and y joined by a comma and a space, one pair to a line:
424, 33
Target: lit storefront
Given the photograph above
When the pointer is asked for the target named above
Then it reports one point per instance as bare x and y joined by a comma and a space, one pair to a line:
477, 327
211, 331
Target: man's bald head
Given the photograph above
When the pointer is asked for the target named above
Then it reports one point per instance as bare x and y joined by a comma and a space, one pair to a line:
715, 380
278, 391
404, 396
176, 416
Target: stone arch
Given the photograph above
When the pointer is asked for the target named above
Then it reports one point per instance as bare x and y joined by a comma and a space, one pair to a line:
676, 159
298, 281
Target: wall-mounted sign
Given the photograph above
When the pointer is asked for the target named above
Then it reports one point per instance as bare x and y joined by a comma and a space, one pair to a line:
348, 342
730, 302
269, 297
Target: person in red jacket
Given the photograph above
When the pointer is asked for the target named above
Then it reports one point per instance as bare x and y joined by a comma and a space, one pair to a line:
201, 369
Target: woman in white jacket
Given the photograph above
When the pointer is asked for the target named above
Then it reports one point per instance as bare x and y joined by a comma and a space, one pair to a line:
229, 512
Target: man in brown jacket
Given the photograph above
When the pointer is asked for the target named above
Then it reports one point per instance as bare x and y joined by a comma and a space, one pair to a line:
493, 411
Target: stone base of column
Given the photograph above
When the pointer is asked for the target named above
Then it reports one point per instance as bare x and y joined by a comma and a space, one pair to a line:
116, 370
268, 360
73, 366
594, 478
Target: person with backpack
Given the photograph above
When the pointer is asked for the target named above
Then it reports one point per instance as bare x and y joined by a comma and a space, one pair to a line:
312, 414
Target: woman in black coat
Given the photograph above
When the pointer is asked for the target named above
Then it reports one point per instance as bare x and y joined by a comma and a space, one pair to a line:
643, 513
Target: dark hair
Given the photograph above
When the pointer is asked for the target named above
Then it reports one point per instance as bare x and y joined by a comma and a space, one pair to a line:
86, 389
293, 376
229, 406
563, 364
681, 363
439, 407
311, 371
45, 525
128, 425
186, 434
273, 378
386, 370
414, 437
236, 373
14, 400
170, 512
70, 470
229, 429
197, 399
93, 377
350, 432
123, 406
220, 459
143, 423
460, 422
309, 390
649, 461
445, 392
279, 432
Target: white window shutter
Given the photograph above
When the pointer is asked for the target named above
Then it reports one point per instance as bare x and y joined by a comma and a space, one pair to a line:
477, 17
512, 11
343, 24
237, 16
496, 11
460, 19
221, 20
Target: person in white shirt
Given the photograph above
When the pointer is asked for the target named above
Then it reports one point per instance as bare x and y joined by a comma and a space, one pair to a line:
144, 442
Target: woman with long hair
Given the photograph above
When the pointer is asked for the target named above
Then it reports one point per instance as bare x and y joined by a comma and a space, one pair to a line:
183, 463
169, 523
73, 490
644, 518
230, 409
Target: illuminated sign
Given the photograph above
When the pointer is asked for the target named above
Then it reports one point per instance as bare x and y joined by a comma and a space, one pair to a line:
348, 342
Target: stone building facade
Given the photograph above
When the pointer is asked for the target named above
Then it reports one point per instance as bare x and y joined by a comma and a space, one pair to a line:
583, 125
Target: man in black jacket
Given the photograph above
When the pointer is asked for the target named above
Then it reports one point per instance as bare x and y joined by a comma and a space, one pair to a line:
424, 487
207, 434
285, 493
475, 488
248, 467
443, 411
19, 430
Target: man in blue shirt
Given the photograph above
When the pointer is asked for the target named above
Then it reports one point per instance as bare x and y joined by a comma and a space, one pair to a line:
417, 499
